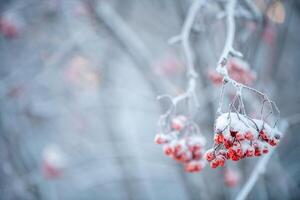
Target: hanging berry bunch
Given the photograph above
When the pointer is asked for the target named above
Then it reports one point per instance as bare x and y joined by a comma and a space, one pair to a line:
179, 134
182, 142
238, 136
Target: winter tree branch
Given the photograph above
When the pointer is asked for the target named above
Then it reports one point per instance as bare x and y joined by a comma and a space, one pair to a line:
191, 73
228, 51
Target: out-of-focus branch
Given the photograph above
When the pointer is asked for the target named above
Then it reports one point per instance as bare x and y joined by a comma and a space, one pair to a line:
252, 7
128, 39
184, 39
185, 34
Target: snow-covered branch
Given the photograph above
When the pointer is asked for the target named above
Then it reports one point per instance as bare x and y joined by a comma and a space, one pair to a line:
229, 50
230, 33
184, 37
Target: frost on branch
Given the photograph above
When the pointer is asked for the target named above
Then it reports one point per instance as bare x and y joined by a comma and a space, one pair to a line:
238, 136
238, 70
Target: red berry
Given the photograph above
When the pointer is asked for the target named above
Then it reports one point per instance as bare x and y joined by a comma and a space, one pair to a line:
221, 160
210, 155
265, 149
168, 150
160, 139
230, 152
239, 136
235, 157
273, 142
231, 178
250, 152
239, 152
219, 138
178, 123
257, 152
215, 163
178, 147
249, 136
183, 157
228, 144
193, 166
196, 155
263, 135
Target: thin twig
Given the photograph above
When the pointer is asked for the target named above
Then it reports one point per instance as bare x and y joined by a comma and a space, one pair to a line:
229, 50
230, 33
191, 72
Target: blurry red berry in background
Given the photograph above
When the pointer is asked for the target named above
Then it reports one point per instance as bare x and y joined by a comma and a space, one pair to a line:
269, 35
178, 122
231, 177
53, 161
238, 70
11, 25
50, 170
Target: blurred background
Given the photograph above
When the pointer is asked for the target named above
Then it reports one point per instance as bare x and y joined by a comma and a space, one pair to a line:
78, 87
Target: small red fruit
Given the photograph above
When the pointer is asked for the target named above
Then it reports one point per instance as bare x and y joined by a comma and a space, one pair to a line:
160, 139
215, 163
178, 122
210, 155
168, 150
273, 142
263, 135
265, 149
219, 138
239, 136
249, 136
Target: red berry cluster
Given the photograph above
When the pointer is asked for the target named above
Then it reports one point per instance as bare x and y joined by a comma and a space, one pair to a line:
237, 136
181, 146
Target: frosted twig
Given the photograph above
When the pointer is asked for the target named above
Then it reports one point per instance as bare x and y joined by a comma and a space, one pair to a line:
183, 37
228, 50
230, 32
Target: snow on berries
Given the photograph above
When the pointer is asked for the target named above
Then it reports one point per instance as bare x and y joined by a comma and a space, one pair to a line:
182, 143
237, 136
